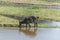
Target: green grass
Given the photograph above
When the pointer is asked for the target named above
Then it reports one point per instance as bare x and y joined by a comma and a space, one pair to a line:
43, 13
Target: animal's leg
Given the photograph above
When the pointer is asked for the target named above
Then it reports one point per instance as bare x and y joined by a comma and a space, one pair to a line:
29, 26
35, 25
26, 26
20, 25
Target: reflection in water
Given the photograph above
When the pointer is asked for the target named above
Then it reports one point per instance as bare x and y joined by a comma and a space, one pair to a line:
31, 32
41, 34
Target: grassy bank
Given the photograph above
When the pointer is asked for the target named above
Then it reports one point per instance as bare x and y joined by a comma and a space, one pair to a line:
43, 13
24, 26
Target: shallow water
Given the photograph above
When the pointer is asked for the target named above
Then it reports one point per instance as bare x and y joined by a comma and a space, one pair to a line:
53, 23
56, 23
38, 34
